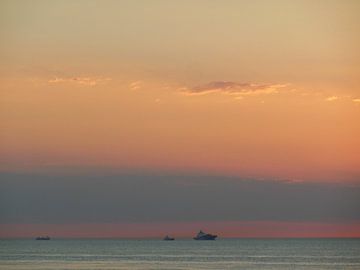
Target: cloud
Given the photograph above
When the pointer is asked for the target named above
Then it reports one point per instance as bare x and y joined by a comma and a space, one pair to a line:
332, 98
135, 85
86, 81
233, 88
345, 97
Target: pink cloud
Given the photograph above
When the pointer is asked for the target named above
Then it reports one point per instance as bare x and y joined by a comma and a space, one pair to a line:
233, 88
86, 81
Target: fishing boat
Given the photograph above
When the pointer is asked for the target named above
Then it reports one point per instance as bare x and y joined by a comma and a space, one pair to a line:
168, 238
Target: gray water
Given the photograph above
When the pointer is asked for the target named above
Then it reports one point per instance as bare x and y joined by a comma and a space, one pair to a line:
181, 254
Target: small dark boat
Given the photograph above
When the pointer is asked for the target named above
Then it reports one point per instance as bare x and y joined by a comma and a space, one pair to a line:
204, 236
167, 238
42, 238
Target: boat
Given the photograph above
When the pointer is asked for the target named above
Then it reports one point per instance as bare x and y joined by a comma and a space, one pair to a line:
168, 238
42, 238
204, 236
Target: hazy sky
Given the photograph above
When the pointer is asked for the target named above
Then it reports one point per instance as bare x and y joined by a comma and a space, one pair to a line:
266, 91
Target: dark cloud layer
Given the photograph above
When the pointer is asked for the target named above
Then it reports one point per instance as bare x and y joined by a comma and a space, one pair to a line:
148, 197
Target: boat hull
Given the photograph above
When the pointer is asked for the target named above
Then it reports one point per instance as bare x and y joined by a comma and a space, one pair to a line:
206, 237
42, 238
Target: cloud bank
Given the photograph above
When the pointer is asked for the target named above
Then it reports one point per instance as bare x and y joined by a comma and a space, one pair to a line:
31, 198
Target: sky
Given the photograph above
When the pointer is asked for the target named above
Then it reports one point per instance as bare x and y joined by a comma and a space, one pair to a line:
145, 118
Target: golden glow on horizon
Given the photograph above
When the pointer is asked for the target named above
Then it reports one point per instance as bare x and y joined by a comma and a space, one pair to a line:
225, 229
284, 134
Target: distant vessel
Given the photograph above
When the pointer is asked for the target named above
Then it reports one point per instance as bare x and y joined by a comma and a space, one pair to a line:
167, 238
204, 236
42, 238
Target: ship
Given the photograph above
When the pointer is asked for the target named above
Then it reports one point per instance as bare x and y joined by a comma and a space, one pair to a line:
204, 236
42, 238
168, 238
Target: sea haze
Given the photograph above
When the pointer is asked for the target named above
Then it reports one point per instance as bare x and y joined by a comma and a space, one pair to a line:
136, 197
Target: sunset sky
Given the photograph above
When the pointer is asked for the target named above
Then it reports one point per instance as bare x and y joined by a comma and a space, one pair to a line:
143, 118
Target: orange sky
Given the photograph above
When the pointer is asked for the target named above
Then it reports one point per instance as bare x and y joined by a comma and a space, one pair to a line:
269, 90
85, 86
264, 90
279, 132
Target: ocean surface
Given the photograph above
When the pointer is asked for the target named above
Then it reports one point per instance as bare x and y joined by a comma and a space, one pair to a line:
181, 254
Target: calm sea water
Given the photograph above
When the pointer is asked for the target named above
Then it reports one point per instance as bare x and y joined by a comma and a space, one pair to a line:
181, 254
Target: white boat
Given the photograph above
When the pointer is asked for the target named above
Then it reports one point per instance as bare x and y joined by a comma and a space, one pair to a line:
204, 236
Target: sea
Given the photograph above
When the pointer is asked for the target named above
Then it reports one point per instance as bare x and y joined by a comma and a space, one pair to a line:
249, 254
